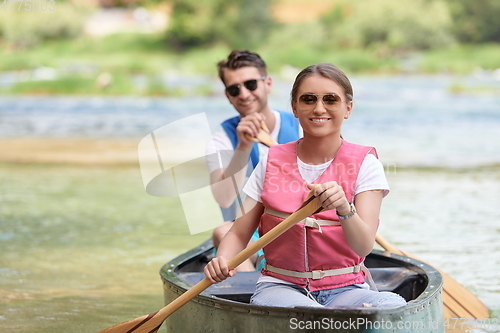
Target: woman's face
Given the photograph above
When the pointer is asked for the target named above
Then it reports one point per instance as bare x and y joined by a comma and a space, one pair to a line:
321, 106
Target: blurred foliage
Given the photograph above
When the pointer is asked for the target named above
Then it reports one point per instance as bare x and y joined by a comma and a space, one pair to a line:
383, 25
119, 52
24, 29
363, 36
463, 59
395, 25
300, 45
237, 23
476, 20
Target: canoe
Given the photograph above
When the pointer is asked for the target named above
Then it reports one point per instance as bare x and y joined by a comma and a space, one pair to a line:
224, 307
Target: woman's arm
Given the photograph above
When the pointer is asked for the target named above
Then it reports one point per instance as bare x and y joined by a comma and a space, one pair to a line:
361, 228
234, 241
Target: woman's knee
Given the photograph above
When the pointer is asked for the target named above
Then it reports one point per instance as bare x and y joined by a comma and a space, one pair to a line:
389, 299
271, 294
366, 298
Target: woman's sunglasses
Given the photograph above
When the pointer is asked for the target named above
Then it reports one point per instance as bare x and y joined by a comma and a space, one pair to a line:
234, 90
307, 102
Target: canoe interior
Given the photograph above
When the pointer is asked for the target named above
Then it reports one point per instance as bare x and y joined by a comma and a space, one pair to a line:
388, 273
225, 307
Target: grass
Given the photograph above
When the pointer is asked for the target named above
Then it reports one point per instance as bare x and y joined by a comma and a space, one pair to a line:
70, 85
125, 56
78, 63
462, 59
124, 52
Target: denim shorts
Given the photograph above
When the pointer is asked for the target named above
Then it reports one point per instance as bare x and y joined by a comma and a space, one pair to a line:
291, 295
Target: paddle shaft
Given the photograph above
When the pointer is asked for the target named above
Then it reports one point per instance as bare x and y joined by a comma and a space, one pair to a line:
310, 208
387, 246
152, 322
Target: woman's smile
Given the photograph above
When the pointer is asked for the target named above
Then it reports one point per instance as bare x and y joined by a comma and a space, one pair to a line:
319, 120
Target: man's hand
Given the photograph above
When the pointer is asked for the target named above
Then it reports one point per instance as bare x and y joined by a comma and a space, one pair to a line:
250, 125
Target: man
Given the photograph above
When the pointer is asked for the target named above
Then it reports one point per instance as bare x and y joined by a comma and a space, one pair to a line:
247, 83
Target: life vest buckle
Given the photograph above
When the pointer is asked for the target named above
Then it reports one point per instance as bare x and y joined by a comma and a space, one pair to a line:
316, 275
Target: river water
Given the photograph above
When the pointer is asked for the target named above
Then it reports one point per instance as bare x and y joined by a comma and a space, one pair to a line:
81, 246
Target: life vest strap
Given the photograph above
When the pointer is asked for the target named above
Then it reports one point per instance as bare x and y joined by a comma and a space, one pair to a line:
315, 275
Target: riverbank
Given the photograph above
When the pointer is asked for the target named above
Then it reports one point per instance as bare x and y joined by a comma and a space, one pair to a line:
142, 64
104, 152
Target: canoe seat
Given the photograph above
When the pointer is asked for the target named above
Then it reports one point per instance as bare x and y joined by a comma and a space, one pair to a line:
240, 288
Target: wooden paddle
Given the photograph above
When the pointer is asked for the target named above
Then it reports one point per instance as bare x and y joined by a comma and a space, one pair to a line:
152, 322
458, 301
263, 136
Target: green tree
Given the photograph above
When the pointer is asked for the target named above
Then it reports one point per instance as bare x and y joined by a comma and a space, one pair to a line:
24, 29
253, 25
402, 24
476, 20
237, 23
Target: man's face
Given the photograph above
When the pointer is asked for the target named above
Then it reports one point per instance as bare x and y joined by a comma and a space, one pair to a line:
248, 101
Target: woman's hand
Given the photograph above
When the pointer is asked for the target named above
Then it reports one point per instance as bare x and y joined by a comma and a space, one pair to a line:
332, 196
217, 271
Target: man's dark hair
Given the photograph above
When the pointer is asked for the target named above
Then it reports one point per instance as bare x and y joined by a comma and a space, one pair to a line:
242, 58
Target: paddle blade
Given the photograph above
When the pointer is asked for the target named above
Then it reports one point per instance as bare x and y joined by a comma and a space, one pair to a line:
458, 301
152, 322
144, 324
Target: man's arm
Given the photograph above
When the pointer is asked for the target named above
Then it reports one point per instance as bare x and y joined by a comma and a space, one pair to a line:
226, 183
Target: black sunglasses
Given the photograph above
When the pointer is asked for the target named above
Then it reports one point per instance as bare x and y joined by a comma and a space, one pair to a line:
234, 89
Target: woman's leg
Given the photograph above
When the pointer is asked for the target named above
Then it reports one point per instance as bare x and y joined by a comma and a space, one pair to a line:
281, 295
361, 295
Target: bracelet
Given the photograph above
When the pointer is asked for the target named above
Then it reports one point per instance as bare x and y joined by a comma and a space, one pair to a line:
350, 214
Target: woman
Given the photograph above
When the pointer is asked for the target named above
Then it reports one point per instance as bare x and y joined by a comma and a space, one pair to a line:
318, 262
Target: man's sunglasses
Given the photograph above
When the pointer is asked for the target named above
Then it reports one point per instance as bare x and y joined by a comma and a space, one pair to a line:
234, 89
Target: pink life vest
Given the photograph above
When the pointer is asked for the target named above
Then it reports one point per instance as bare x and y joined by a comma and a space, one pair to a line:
301, 248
